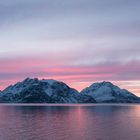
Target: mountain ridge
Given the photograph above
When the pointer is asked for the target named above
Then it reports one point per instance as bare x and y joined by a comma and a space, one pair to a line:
33, 90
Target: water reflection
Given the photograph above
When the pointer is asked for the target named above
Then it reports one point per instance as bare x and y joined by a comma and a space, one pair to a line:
69, 122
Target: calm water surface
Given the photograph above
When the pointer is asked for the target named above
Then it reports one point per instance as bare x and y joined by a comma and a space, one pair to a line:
79, 122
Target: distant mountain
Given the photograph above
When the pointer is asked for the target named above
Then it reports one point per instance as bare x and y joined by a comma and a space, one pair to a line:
42, 91
52, 91
106, 92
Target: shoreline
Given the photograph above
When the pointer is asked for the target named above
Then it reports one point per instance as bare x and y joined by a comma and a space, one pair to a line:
67, 105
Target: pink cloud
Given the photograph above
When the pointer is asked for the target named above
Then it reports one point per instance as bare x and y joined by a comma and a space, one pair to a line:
76, 76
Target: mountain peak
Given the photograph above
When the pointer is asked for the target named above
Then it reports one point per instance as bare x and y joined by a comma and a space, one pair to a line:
104, 83
36, 80
50, 81
28, 80
108, 92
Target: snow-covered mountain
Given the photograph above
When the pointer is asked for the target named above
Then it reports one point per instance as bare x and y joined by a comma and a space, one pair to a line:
107, 92
42, 91
52, 91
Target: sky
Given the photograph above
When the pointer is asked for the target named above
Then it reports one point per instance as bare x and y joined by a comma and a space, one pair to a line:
78, 42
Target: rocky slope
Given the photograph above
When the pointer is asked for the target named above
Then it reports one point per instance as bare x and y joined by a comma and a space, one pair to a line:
106, 92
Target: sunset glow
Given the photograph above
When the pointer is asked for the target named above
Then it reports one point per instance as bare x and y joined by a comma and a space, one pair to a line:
77, 42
